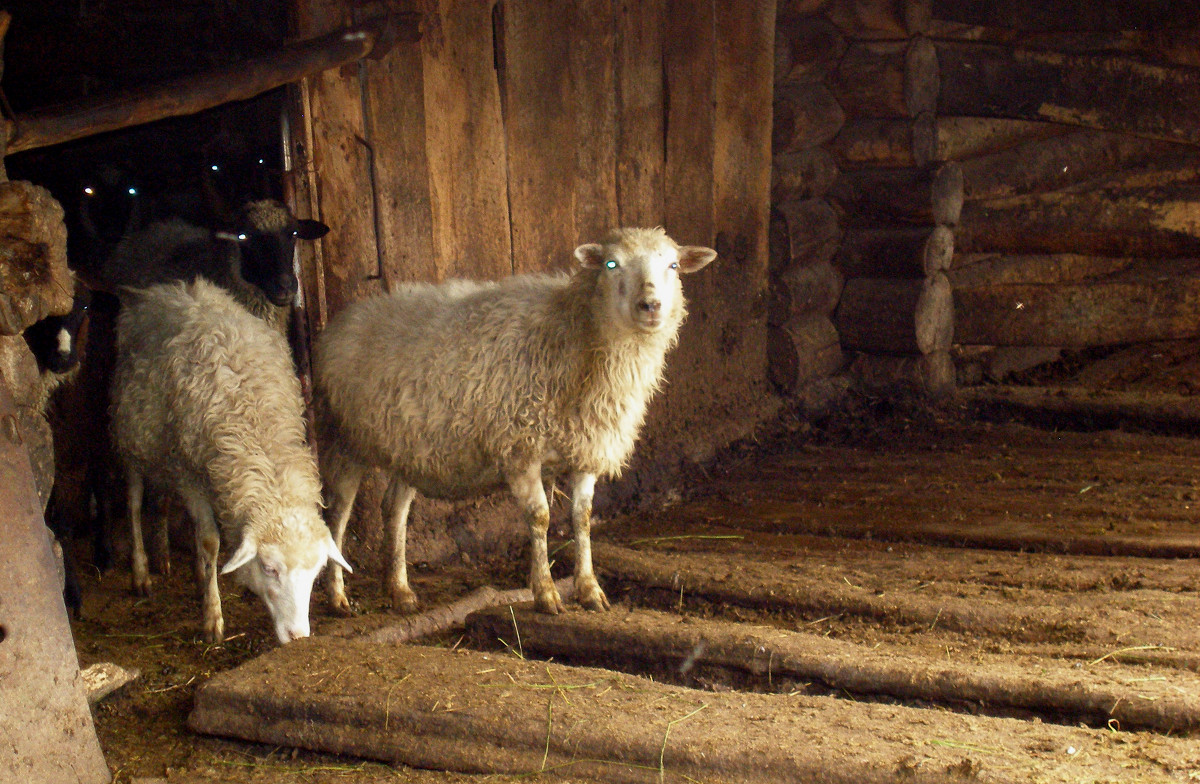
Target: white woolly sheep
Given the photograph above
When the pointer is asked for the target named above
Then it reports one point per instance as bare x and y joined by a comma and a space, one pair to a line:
252, 257
458, 389
206, 402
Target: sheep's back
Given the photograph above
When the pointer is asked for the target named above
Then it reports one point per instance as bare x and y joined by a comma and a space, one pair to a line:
205, 393
445, 383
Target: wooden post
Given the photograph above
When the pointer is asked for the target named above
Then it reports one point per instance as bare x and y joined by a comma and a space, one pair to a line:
45, 727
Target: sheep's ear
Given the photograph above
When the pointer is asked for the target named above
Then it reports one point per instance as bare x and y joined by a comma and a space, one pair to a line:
308, 229
244, 554
695, 257
335, 555
590, 255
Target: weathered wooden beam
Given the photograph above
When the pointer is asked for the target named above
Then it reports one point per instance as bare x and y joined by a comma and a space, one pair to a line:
191, 94
1091, 90
1070, 15
1083, 155
1131, 308
1145, 222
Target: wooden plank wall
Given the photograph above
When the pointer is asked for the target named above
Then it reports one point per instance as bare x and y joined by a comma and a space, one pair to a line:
516, 131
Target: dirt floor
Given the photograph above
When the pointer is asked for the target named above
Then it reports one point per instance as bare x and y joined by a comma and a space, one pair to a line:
921, 538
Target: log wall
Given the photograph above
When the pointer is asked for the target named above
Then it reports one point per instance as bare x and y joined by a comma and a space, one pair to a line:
968, 174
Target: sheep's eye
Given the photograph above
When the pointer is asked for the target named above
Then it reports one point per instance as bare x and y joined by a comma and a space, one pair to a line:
611, 264
674, 265
133, 191
90, 191
270, 571
242, 238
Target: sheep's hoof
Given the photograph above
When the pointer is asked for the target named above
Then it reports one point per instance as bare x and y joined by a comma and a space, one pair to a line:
340, 605
141, 585
214, 631
403, 600
591, 597
548, 602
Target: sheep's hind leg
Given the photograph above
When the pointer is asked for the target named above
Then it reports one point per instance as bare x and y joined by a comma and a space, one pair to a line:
139, 564
531, 495
208, 546
587, 590
396, 504
162, 535
344, 479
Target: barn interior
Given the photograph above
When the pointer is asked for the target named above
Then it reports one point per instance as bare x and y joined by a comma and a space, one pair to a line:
913, 503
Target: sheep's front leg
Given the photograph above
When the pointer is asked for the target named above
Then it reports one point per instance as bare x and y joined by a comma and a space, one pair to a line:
208, 546
528, 490
397, 501
139, 566
587, 589
343, 480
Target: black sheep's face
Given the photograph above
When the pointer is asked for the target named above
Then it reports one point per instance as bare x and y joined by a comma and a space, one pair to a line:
267, 264
267, 257
55, 340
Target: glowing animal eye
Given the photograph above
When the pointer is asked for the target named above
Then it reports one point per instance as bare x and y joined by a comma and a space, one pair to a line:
133, 191
611, 264
90, 191
674, 265
242, 237
215, 167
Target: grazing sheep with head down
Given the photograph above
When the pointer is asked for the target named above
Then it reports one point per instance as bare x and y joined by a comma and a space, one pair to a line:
458, 389
206, 402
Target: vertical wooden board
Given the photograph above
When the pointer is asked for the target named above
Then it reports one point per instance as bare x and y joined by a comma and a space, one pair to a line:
745, 41
465, 141
341, 162
340, 173
396, 127
640, 140
594, 107
539, 126
689, 64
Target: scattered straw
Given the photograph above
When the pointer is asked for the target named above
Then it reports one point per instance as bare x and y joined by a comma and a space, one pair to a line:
663, 751
657, 539
1133, 649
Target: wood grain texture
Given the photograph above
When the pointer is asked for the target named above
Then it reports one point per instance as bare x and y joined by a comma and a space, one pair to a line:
465, 141
639, 77
1095, 91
